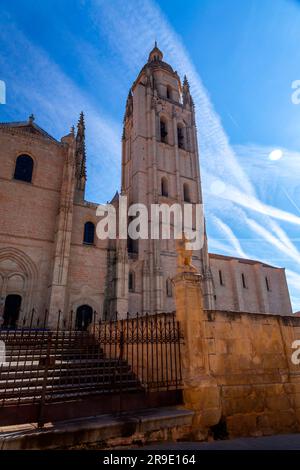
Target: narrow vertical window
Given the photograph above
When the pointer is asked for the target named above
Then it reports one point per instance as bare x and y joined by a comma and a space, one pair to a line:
221, 278
244, 281
169, 288
89, 233
267, 284
169, 92
180, 137
131, 282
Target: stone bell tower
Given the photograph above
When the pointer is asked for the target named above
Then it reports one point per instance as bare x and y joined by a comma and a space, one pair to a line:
160, 164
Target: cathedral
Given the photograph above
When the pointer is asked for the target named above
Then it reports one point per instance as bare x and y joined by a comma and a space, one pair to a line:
51, 259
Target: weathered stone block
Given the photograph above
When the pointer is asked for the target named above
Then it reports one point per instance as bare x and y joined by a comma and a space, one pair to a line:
241, 425
278, 402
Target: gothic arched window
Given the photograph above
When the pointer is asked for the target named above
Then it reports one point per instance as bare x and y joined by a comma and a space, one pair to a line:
24, 168
180, 137
186, 193
164, 187
131, 281
89, 233
163, 130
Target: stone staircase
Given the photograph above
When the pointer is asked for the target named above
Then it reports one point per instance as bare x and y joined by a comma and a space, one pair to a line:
60, 366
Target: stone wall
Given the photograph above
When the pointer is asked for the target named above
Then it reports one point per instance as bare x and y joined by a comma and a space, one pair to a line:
249, 356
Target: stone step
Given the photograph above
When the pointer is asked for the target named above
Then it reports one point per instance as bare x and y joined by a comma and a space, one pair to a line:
16, 375
99, 431
69, 353
26, 365
73, 393
77, 366
56, 379
70, 388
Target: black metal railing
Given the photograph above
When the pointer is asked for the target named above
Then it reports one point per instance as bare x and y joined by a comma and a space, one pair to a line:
133, 355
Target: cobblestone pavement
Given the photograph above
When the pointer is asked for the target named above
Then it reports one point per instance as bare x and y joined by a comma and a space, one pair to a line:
279, 442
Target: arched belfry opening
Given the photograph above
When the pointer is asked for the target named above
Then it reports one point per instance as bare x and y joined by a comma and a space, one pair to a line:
168, 92
163, 130
180, 136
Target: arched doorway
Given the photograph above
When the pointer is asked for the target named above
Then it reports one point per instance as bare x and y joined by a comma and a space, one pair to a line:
11, 310
84, 316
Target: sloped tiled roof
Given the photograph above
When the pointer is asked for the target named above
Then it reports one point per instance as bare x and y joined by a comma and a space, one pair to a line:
27, 127
241, 260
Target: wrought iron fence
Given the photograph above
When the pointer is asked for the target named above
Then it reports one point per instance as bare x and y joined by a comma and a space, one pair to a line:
135, 355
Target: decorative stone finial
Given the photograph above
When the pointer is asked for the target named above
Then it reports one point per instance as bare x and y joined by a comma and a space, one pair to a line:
31, 118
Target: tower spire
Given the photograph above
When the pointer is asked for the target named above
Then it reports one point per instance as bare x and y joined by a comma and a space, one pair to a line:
80, 153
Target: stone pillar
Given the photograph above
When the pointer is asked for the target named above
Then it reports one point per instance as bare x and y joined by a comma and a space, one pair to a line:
177, 165
59, 281
201, 392
121, 279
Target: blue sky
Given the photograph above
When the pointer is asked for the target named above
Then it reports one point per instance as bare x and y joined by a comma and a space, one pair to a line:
241, 57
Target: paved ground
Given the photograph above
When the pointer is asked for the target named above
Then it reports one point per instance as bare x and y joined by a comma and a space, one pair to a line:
280, 442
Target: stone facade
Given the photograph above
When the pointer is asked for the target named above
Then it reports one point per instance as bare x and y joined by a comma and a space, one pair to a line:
43, 257
244, 285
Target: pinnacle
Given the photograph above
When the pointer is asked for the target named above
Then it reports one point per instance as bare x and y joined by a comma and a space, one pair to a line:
81, 118
185, 81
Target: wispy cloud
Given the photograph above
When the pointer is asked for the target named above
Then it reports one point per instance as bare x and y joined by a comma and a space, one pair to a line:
38, 84
228, 232
293, 279
278, 243
241, 198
